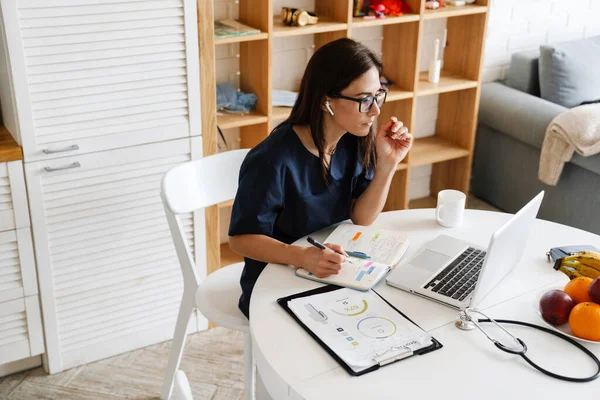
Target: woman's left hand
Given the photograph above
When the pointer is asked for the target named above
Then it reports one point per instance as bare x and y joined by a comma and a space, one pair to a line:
392, 143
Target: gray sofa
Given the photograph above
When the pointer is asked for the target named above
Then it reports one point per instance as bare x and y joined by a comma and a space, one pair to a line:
511, 128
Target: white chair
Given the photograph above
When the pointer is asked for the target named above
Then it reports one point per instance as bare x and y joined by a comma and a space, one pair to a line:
186, 188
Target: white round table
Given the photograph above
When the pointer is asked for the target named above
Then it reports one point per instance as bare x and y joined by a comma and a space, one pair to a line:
293, 366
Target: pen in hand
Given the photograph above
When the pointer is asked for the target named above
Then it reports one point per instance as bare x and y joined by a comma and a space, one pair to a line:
357, 254
321, 246
316, 243
326, 261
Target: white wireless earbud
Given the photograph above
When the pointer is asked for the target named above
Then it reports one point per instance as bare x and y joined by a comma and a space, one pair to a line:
328, 107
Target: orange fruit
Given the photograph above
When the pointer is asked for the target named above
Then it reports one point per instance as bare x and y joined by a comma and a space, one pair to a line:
578, 289
584, 321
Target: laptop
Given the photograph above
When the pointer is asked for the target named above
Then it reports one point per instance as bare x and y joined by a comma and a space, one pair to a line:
459, 274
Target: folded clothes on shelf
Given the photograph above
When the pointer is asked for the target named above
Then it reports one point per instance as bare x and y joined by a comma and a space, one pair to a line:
232, 100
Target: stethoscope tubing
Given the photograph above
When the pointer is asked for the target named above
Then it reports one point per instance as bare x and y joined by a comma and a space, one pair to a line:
534, 365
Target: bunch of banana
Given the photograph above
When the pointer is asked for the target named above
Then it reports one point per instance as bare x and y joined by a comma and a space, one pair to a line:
585, 263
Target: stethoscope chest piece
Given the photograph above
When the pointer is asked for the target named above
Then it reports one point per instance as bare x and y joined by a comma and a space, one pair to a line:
464, 323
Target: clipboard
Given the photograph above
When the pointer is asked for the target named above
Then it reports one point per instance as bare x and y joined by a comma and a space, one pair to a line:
283, 302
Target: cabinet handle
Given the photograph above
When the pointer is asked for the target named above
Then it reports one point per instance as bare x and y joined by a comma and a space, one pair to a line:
70, 148
74, 165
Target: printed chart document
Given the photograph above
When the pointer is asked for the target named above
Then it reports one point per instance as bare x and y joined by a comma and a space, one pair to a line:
360, 327
385, 248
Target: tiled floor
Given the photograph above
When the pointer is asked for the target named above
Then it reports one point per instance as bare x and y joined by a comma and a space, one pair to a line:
212, 361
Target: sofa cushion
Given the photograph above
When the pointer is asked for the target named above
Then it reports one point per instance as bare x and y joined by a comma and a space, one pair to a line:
523, 72
515, 113
591, 163
569, 72
523, 117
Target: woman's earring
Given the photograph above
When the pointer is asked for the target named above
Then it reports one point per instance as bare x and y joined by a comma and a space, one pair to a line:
328, 107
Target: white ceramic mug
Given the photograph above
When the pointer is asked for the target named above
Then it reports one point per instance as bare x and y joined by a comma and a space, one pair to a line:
450, 208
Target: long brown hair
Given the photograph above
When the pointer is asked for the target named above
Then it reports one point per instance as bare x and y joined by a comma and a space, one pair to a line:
330, 70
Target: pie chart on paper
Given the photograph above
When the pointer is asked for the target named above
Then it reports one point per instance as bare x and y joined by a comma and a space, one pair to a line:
376, 327
349, 307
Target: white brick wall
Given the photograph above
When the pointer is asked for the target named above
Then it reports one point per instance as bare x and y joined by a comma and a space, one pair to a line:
511, 28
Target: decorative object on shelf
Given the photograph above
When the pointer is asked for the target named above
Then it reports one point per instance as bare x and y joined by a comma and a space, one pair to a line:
361, 8
458, 2
391, 7
297, 17
284, 98
230, 28
435, 65
230, 99
379, 11
432, 5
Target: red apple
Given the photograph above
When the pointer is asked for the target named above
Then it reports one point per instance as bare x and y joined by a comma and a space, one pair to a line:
594, 290
556, 306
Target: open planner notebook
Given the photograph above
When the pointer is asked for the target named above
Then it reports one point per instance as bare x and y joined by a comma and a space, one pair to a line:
385, 248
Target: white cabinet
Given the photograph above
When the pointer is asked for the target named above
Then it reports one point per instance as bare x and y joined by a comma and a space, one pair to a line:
97, 75
13, 197
20, 329
17, 265
109, 276
104, 97
20, 320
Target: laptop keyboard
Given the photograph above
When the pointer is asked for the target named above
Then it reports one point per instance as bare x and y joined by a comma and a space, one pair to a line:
458, 279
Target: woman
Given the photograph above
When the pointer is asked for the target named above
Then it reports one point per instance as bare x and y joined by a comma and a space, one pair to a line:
323, 165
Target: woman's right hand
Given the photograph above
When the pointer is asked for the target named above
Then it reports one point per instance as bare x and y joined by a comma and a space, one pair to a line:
323, 263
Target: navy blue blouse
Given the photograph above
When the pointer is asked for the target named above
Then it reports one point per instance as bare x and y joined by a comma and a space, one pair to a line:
282, 194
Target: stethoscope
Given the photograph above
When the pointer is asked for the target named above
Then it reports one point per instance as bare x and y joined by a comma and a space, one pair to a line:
467, 322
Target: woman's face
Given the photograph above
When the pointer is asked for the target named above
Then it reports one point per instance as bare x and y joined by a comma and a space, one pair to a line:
347, 114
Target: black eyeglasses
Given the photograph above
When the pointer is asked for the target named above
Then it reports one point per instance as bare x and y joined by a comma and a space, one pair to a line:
366, 103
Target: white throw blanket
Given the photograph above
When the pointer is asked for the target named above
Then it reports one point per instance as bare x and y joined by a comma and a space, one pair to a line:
577, 129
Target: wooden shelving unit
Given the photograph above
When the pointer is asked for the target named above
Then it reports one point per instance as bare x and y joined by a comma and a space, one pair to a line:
280, 113
239, 39
235, 121
362, 23
324, 25
447, 12
431, 150
226, 204
449, 82
228, 256
395, 93
449, 150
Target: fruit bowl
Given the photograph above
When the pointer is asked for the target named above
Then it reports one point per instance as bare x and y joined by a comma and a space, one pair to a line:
564, 328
